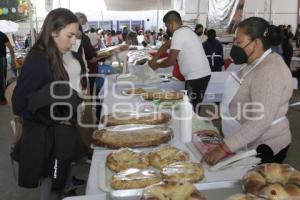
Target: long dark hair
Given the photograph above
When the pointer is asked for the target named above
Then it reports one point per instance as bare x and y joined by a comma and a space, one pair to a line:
78, 55
55, 21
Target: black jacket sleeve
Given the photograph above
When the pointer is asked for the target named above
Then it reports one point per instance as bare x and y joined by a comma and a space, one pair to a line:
34, 75
54, 102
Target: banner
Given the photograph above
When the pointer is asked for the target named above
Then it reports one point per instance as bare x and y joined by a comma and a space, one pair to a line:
225, 15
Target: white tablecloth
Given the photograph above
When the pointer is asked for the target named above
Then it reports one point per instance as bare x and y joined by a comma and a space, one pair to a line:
100, 154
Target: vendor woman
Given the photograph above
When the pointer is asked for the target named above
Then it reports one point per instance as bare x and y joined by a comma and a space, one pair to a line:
256, 98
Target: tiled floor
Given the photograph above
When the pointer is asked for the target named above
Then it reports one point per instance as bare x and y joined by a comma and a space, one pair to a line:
9, 190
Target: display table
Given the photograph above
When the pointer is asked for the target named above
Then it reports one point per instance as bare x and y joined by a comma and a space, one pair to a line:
215, 185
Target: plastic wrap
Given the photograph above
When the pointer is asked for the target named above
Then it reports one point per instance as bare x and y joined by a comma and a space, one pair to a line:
183, 171
172, 190
273, 181
126, 158
135, 178
225, 15
132, 135
134, 91
139, 91
140, 75
168, 95
105, 174
166, 155
138, 57
122, 118
206, 141
167, 104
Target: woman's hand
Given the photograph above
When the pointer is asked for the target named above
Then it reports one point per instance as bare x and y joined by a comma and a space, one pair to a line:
216, 154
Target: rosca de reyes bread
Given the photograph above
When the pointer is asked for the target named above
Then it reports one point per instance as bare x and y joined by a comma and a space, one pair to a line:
165, 155
273, 181
154, 118
126, 158
168, 190
135, 135
135, 178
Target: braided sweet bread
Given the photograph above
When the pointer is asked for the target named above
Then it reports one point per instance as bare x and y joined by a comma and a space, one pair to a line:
165, 155
183, 171
172, 191
135, 178
126, 158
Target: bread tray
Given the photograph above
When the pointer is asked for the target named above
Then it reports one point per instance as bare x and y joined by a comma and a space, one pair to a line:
212, 191
105, 174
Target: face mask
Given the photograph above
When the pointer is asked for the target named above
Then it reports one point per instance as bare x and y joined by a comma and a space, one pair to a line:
85, 27
239, 55
169, 33
199, 33
76, 46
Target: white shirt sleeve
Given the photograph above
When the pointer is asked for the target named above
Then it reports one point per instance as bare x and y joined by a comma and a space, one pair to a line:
177, 40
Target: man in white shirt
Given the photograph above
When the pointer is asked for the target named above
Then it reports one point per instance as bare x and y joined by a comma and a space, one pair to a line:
185, 47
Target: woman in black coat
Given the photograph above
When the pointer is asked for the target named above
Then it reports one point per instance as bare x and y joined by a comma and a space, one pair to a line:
50, 139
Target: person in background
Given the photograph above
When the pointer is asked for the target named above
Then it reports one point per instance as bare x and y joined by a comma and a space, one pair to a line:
265, 85
160, 34
102, 42
276, 42
290, 34
199, 31
27, 41
131, 38
124, 33
214, 51
94, 38
120, 37
287, 47
185, 47
5, 43
108, 39
147, 36
281, 43
90, 54
140, 38
83, 21
48, 144
92, 59
297, 36
152, 39
114, 40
